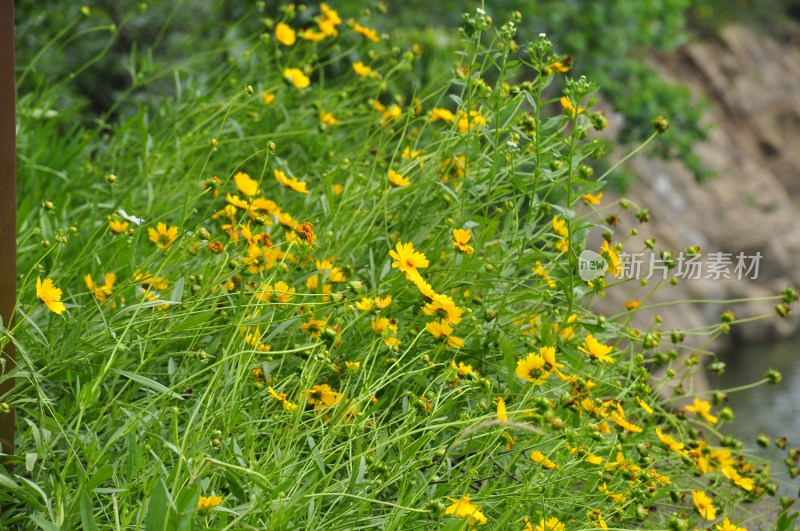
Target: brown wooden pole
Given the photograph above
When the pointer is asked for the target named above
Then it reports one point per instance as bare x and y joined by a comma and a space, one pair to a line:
8, 213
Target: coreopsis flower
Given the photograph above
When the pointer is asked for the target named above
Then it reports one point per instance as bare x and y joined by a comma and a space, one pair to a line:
569, 108
596, 517
330, 16
383, 324
618, 416
548, 354
352, 366
206, 503
597, 350
462, 368
728, 526
461, 239
247, 185
551, 524
442, 115
49, 295
614, 263
473, 120
443, 307
285, 34
117, 227
102, 292
268, 97
540, 458
392, 114
312, 35
593, 199
701, 408
397, 179
644, 405
407, 259
367, 33
282, 400
327, 118
286, 219
737, 479
704, 505
616, 496
532, 369
290, 183
424, 288
307, 230
363, 70
162, 235
313, 327
296, 77
464, 508
321, 396
502, 413
560, 226
442, 330
334, 274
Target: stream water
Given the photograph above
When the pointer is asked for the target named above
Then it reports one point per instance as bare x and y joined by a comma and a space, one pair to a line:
770, 409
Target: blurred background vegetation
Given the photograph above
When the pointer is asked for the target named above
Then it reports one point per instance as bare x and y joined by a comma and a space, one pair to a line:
115, 61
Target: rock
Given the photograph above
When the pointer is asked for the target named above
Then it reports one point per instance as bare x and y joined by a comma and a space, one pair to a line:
751, 206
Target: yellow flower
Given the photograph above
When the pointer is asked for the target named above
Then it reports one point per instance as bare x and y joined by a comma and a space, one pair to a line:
353, 366
618, 416
285, 34
367, 33
444, 115
424, 288
597, 350
593, 199
363, 70
532, 369
463, 369
292, 184
632, 304
281, 398
206, 503
322, 396
327, 118
569, 109
614, 264
49, 295
502, 414
117, 227
397, 179
268, 97
644, 406
463, 508
407, 259
393, 114
704, 505
474, 120
540, 458
296, 77
728, 526
597, 518
548, 354
560, 226
329, 20
162, 236
313, 327
313, 36
702, 409
551, 524
443, 306
442, 330
381, 324
246, 184
461, 239
100, 293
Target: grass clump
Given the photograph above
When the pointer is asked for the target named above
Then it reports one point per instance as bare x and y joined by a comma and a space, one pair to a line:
308, 292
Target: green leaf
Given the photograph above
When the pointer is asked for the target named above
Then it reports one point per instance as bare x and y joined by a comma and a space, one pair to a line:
46, 525
157, 506
88, 522
186, 503
150, 384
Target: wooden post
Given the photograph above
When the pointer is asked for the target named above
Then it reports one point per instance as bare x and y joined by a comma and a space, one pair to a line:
8, 211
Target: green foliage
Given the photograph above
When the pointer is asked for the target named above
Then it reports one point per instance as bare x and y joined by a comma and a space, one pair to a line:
249, 341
